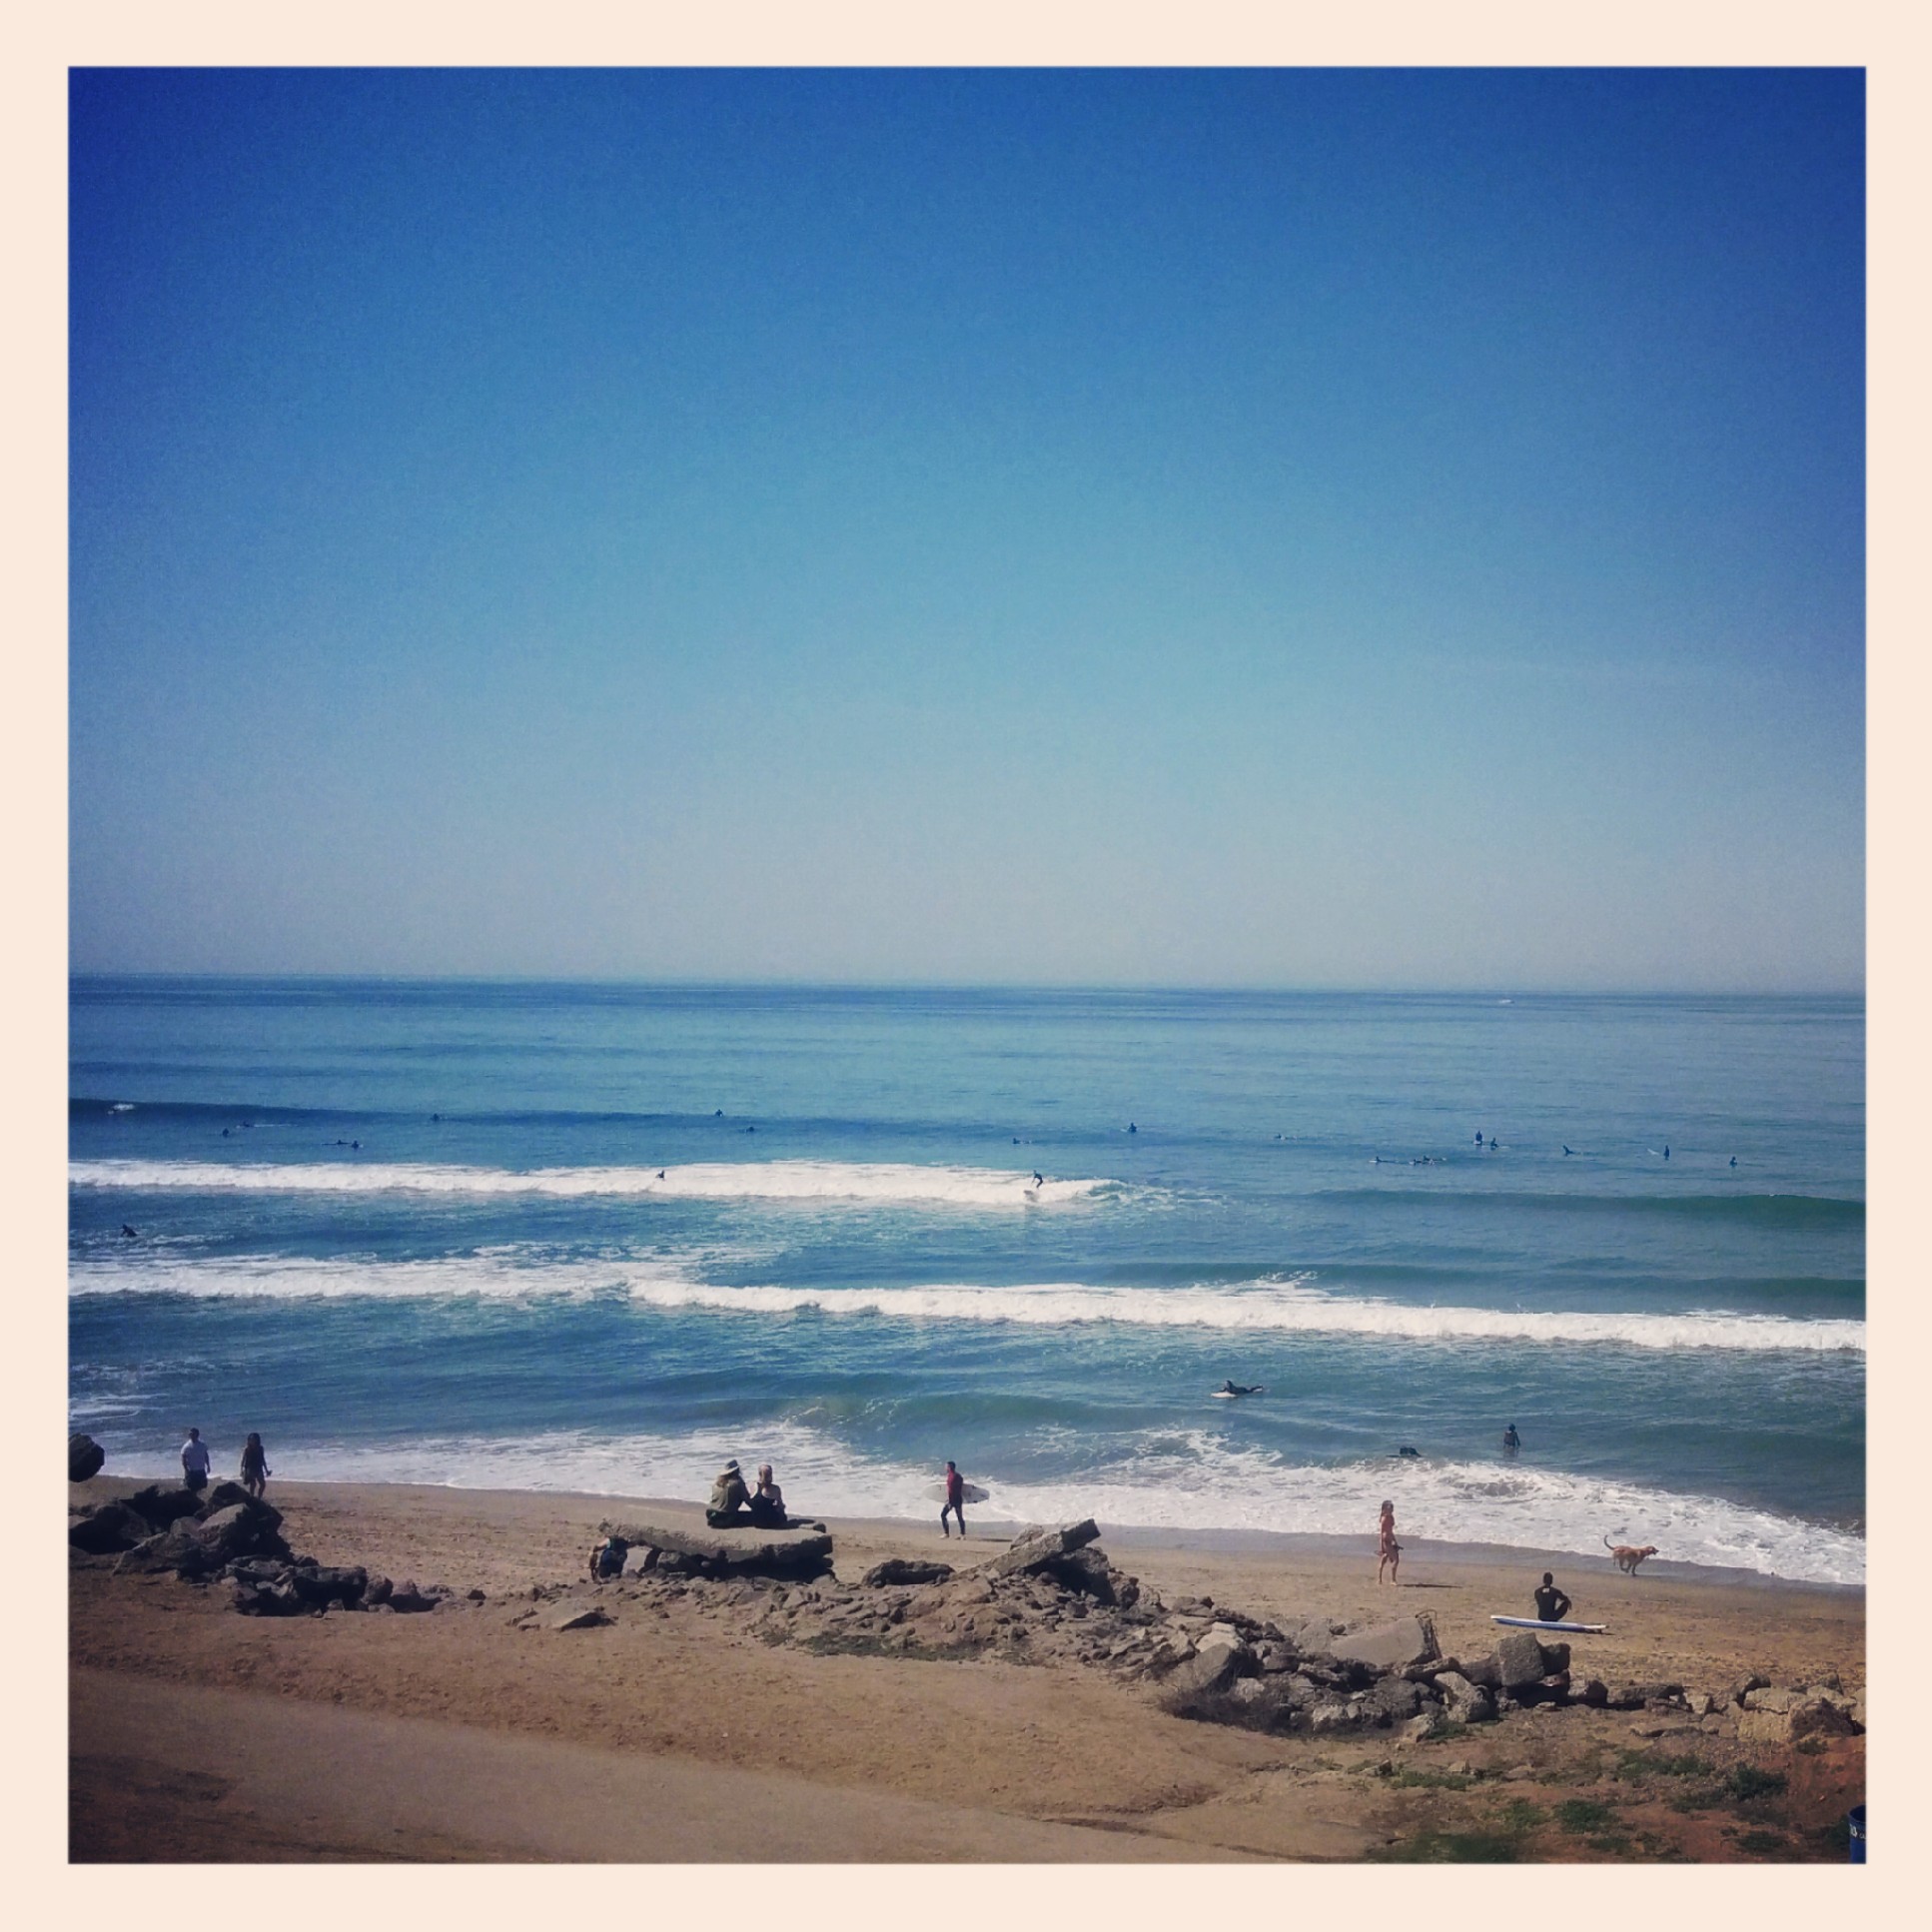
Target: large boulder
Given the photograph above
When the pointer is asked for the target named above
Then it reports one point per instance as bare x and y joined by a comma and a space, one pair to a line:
1219, 1658
1811, 1717
244, 1528
1519, 1659
85, 1457
107, 1530
1391, 1646
162, 1506
320, 1585
1037, 1548
1467, 1702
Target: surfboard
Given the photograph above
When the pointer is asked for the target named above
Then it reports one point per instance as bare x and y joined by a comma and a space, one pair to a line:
1230, 1394
1533, 1623
972, 1493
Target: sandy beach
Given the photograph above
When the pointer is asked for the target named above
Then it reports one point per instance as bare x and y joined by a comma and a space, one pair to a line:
676, 1733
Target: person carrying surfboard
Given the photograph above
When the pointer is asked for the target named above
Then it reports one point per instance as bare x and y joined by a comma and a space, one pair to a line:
1551, 1604
955, 1501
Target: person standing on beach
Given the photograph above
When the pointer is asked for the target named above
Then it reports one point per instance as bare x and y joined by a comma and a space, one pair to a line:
255, 1465
1389, 1551
194, 1463
955, 1502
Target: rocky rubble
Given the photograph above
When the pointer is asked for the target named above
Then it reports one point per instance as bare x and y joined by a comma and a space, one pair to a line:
228, 1535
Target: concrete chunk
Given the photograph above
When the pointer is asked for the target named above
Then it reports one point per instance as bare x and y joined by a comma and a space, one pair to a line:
1391, 1647
1039, 1546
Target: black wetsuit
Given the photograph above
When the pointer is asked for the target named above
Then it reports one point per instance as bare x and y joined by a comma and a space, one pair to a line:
1551, 1604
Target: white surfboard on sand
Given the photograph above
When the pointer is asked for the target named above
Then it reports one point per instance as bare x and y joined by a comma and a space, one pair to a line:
1536, 1624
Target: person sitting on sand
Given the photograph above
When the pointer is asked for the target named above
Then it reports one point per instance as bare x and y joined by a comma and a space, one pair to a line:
194, 1463
1551, 1604
1389, 1551
767, 1501
729, 1497
255, 1465
608, 1555
955, 1502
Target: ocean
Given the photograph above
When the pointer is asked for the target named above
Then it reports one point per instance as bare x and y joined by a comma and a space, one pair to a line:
600, 1236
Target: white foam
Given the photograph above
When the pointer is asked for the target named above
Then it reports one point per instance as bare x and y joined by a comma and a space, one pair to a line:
1267, 1306
1188, 1480
877, 1183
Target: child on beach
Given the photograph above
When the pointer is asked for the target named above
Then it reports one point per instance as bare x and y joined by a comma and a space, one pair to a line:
1389, 1551
255, 1465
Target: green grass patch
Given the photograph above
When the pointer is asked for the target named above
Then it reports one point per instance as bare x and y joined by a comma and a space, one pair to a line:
1746, 1782
1453, 1848
1586, 1814
1762, 1844
1634, 1765
1406, 1781
1446, 1731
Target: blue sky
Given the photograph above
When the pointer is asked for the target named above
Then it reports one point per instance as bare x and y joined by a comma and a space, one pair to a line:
1322, 528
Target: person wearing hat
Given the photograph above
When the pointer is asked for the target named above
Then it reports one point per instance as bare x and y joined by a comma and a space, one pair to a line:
729, 1497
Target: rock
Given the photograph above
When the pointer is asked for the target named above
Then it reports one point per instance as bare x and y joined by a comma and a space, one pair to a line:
583, 1620
1089, 1572
164, 1506
224, 1495
1519, 1659
1814, 1719
1702, 1702
406, 1597
1770, 1699
1485, 1671
1038, 1547
110, 1529
1417, 1728
1465, 1702
1555, 1657
725, 1552
241, 1529
1597, 1693
376, 1590
1391, 1647
905, 1569
1218, 1661
85, 1457
1393, 1699
1329, 1717
1251, 1690
1275, 1659
321, 1586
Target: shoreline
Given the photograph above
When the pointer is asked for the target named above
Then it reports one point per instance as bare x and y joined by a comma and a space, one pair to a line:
1205, 1541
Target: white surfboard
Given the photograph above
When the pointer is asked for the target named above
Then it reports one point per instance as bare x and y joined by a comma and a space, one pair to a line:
970, 1490
1233, 1394
1535, 1623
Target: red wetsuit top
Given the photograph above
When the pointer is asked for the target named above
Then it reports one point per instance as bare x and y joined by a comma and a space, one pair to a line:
955, 1489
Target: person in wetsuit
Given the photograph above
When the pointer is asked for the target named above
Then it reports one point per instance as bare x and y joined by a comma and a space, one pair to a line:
1551, 1604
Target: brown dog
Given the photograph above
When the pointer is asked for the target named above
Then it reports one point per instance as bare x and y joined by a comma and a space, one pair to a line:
1627, 1556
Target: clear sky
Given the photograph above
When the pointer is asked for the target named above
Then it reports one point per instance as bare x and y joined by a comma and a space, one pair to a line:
1327, 528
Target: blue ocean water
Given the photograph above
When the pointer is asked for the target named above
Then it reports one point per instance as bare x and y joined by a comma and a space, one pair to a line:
598, 1236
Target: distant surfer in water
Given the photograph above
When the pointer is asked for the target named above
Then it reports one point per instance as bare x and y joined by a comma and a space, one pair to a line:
1039, 1179
1510, 1439
1569, 1150
1239, 1389
1551, 1604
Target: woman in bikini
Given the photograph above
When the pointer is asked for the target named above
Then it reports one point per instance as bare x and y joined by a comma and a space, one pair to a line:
1389, 1551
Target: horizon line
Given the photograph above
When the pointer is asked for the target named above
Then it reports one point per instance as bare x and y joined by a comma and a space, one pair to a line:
1501, 990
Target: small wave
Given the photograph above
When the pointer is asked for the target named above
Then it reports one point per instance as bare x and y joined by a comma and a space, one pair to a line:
1786, 1211
1190, 1482
1291, 1306
877, 1183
